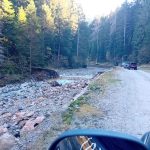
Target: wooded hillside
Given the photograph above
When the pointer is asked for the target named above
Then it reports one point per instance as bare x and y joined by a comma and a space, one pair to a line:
123, 35
41, 33
55, 33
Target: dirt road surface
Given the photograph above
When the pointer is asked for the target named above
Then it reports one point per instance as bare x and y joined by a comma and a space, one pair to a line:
127, 105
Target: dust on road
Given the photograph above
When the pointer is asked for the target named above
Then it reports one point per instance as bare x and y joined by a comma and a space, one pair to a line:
128, 103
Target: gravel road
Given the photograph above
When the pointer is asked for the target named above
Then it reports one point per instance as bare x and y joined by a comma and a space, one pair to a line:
128, 103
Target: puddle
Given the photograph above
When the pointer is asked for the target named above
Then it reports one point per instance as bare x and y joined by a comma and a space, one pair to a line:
64, 81
78, 76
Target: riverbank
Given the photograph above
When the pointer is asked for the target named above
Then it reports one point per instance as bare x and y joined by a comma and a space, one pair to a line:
80, 113
27, 110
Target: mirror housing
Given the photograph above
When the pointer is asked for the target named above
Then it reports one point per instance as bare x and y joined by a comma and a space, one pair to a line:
146, 139
110, 140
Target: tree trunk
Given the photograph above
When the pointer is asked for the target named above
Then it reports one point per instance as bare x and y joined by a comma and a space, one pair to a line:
59, 48
125, 22
43, 47
78, 40
97, 40
30, 67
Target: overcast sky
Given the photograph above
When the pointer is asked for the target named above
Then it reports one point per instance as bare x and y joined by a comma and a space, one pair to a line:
96, 8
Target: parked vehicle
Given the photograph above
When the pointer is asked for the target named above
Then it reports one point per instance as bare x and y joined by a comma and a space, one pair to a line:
133, 66
125, 65
99, 140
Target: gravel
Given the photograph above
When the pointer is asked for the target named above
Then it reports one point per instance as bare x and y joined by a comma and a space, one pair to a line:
125, 105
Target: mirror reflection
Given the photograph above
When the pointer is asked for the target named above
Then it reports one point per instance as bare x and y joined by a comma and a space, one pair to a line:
96, 143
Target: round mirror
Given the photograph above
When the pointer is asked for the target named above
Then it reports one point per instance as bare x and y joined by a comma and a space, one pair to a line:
97, 143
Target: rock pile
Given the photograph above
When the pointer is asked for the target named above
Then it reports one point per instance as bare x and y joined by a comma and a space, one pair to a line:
23, 107
27, 109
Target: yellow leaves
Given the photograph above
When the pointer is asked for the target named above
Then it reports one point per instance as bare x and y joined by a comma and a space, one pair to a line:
48, 15
67, 11
8, 10
1, 13
22, 15
31, 8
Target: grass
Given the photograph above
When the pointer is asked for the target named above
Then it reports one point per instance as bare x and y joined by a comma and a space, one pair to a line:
74, 106
94, 86
103, 81
81, 106
88, 110
145, 67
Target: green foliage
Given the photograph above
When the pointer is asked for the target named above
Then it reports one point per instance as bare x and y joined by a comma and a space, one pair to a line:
41, 33
144, 55
9, 67
124, 34
74, 106
94, 87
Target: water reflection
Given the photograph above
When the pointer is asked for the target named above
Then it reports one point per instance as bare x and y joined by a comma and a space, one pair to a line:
97, 143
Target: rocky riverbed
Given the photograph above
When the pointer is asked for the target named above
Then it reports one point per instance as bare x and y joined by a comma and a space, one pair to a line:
27, 109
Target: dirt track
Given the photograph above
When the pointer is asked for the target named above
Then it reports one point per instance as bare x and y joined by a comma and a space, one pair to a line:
128, 103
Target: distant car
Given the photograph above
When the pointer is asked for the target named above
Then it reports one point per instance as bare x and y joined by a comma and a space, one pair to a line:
125, 65
133, 66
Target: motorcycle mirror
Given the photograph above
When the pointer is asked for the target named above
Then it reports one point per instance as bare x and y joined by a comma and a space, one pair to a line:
96, 140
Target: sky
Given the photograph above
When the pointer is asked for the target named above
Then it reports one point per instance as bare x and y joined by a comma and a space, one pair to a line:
98, 8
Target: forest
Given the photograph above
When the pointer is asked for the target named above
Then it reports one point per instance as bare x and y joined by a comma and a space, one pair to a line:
123, 35
55, 33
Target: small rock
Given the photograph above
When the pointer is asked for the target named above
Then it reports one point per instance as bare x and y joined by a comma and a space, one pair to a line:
29, 126
16, 133
54, 84
84, 85
32, 123
22, 123
29, 114
47, 114
7, 141
3, 129
6, 115
19, 116
39, 119
20, 108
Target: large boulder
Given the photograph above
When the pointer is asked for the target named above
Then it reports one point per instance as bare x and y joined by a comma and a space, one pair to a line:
32, 123
41, 74
54, 83
7, 141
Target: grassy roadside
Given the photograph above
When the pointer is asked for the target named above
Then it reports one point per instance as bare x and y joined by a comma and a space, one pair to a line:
74, 106
82, 105
145, 67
